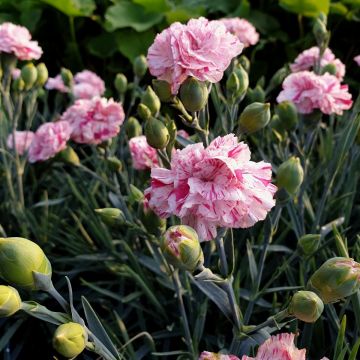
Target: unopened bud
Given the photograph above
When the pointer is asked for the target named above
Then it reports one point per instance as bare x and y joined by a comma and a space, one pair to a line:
278, 78
135, 195
157, 134
319, 31
133, 127
112, 217
121, 83
163, 90
329, 68
181, 247
10, 301
308, 244
151, 100
114, 164
20, 259
68, 156
152, 223
290, 175
306, 306
244, 62
67, 77
140, 66
18, 84
256, 95
70, 339
144, 112
232, 83
193, 94
42, 74
254, 117
288, 115
29, 75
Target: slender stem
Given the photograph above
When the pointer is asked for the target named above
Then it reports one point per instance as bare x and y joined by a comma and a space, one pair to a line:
59, 298
224, 268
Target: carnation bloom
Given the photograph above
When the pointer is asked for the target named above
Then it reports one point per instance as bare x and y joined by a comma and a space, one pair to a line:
357, 59
206, 355
57, 83
94, 120
242, 29
23, 140
201, 48
183, 133
15, 39
143, 155
49, 139
309, 91
15, 73
88, 85
308, 58
216, 186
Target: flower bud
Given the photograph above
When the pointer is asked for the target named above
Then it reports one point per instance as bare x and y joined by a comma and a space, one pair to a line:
29, 75
163, 90
68, 156
290, 175
157, 134
243, 80
135, 195
152, 223
19, 259
254, 117
232, 84
278, 78
306, 306
319, 31
193, 94
308, 244
67, 77
10, 301
151, 100
112, 217
121, 83
256, 95
336, 279
144, 112
140, 66
133, 127
244, 62
42, 74
18, 84
114, 164
329, 68
288, 115
181, 247
70, 339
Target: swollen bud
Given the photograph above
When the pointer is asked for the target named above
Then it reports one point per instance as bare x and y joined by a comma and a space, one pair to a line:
157, 134
290, 175
114, 164
329, 68
193, 94
336, 279
133, 127
151, 100
20, 259
288, 115
319, 31
112, 217
306, 306
237, 83
121, 83
256, 95
29, 75
18, 84
42, 74
308, 244
254, 117
144, 112
10, 301
70, 339
244, 62
181, 247
163, 90
67, 77
68, 156
140, 66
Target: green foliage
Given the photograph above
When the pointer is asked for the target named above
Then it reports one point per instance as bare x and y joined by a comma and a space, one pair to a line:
310, 8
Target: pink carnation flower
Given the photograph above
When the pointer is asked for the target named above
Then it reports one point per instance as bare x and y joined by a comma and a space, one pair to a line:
15, 39
242, 29
357, 59
309, 91
56, 83
49, 139
206, 355
15, 73
201, 48
88, 85
216, 186
23, 140
308, 58
183, 133
142, 154
94, 120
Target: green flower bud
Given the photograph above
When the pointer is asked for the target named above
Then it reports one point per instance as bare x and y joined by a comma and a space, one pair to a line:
133, 127
70, 339
152, 223
157, 134
288, 115
18, 84
10, 301
254, 117
319, 31
244, 62
43, 74
114, 164
290, 175
256, 95
67, 77
135, 194
329, 68
29, 75
68, 156
278, 78
181, 247
112, 217
151, 100
140, 66
306, 306
243, 80
336, 279
193, 94
163, 90
144, 112
308, 244
232, 84
19, 259
121, 83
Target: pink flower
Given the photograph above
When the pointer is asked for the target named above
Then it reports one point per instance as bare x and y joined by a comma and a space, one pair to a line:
279, 347
15, 39
49, 139
23, 140
242, 29
15, 73
183, 133
308, 58
88, 85
216, 186
94, 120
309, 91
206, 355
57, 83
142, 154
357, 59
201, 48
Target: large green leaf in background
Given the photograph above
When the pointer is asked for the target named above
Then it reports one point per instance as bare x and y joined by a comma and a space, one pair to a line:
154, 5
306, 7
73, 7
